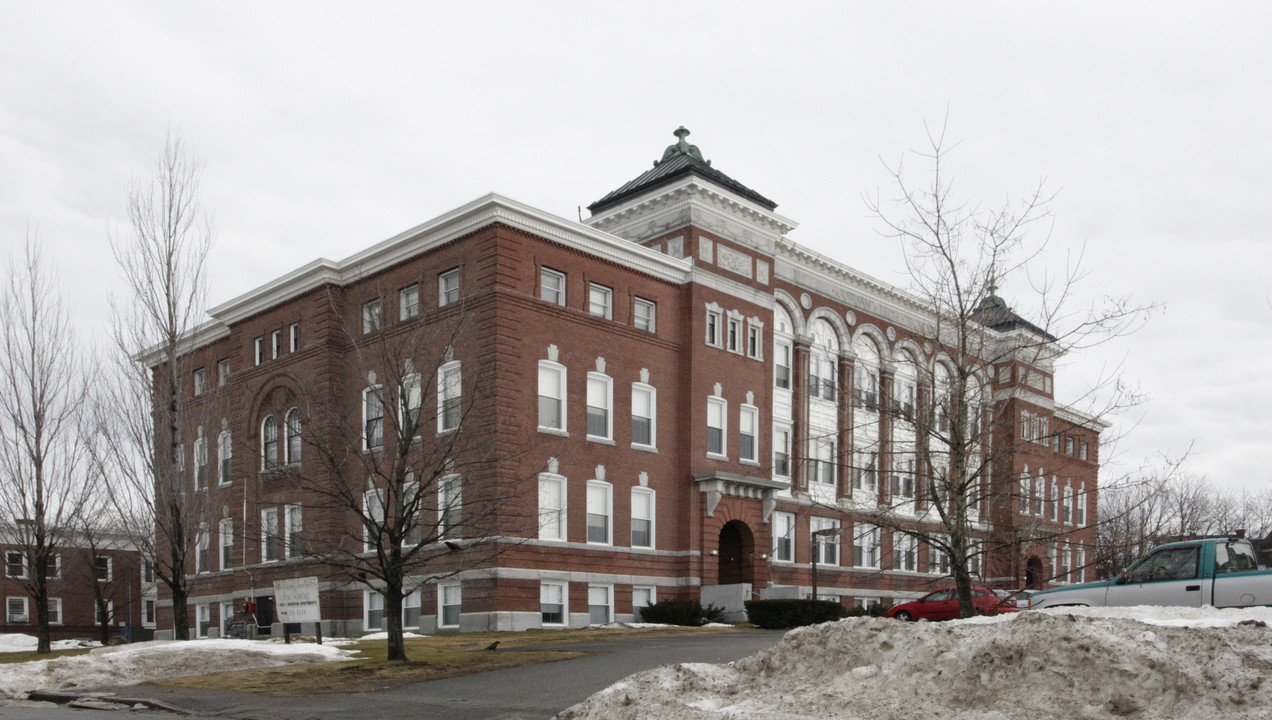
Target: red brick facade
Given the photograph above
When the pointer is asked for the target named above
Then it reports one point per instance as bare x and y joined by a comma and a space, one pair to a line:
537, 294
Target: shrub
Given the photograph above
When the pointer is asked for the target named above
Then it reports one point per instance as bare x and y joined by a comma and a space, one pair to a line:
876, 610
779, 614
681, 612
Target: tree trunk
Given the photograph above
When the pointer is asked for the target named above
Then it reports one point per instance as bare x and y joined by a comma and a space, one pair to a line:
393, 618
180, 619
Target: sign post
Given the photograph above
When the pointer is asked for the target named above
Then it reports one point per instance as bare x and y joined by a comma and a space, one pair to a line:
296, 601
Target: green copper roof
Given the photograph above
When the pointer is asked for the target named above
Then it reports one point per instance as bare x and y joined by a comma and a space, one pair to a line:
678, 161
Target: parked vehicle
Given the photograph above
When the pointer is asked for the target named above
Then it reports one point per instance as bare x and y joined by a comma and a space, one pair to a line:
1223, 572
943, 605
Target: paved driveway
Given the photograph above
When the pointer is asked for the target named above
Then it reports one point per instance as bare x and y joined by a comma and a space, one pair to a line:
535, 691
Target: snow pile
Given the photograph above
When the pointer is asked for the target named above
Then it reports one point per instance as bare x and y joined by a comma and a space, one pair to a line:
1088, 664
142, 662
18, 642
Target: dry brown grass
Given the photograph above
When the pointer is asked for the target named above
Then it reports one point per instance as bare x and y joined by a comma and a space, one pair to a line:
431, 658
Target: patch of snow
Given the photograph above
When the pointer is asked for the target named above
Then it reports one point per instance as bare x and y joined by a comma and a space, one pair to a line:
1150, 663
142, 662
385, 636
20, 642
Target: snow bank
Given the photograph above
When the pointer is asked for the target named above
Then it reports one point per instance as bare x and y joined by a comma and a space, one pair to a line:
1148, 663
142, 662
19, 642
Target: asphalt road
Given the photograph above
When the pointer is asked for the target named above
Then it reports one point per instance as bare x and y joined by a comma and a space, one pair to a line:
531, 692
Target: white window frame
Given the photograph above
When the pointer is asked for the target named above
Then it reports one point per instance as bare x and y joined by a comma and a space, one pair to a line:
782, 360
200, 382
865, 546
721, 406
149, 612
784, 528
600, 496
781, 446
553, 368
450, 507
372, 316
371, 598
545, 289
1080, 507
546, 587
753, 413
268, 423
443, 591
409, 302
1082, 450
600, 301
293, 531
754, 340
411, 403
905, 552
224, 453
651, 393
295, 336
291, 456
412, 601
938, 559
110, 612
202, 550
609, 603
448, 287
714, 332
733, 339
638, 607
378, 392
259, 349
55, 569
23, 618
269, 528
825, 546
110, 568
652, 503
55, 608
599, 384
376, 514
222, 372
553, 515
648, 319
8, 562
450, 391
225, 536
276, 344
202, 620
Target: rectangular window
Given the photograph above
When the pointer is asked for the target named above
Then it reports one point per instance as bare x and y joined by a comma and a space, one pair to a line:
374, 604
14, 564
1055, 500
148, 613
259, 350
822, 468
974, 557
784, 536
17, 610
276, 343
412, 397
600, 398
600, 301
551, 507
904, 552
204, 620
642, 517
450, 600
411, 610
104, 568
372, 418
866, 477
717, 409
552, 286
224, 455
55, 611
748, 434
714, 338
1026, 489
551, 396
1082, 452
412, 527
733, 340
294, 539
644, 401
782, 367
825, 539
105, 613
448, 291
865, 547
449, 398
1079, 566
201, 463
227, 544
200, 381
202, 544
599, 509
55, 567
782, 452
938, 559
1068, 446
295, 337
1039, 494
450, 508
222, 373
754, 341
600, 609
1079, 504
865, 390
409, 302
644, 315
642, 597
372, 516
552, 597
372, 316
270, 545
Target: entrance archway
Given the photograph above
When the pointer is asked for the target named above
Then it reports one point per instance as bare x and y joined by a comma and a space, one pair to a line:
737, 545
1034, 573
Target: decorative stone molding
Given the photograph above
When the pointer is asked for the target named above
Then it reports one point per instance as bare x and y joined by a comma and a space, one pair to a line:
717, 485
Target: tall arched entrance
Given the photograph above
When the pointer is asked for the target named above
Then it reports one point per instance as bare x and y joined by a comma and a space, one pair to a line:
737, 549
1034, 573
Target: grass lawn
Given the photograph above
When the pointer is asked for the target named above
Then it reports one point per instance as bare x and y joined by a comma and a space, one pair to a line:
431, 658
27, 656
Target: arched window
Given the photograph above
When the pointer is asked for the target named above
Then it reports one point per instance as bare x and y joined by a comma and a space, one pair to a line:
823, 362
269, 443
293, 436
865, 391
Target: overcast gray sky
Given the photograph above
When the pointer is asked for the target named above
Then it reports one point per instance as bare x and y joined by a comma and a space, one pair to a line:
327, 127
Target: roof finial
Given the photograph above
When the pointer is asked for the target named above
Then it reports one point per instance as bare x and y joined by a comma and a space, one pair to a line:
991, 299
682, 147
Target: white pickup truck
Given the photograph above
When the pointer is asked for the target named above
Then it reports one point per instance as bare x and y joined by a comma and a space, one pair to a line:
1223, 572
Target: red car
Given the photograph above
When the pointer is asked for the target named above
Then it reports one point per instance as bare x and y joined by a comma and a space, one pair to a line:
943, 605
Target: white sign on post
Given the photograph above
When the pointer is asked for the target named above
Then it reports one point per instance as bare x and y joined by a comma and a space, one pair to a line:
297, 600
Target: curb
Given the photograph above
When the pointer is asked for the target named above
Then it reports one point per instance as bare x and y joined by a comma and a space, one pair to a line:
65, 698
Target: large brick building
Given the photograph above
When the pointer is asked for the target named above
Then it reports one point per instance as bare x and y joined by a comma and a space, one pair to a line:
673, 396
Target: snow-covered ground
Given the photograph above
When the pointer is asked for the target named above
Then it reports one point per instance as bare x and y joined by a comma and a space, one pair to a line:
142, 662
18, 642
1146, 663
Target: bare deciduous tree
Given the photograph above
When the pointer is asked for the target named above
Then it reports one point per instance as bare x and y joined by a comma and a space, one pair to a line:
42, 402
162, 258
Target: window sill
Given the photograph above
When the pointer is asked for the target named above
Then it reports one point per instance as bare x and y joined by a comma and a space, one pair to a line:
600, 440
645, 448
553, 431
717, 456
752, 463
